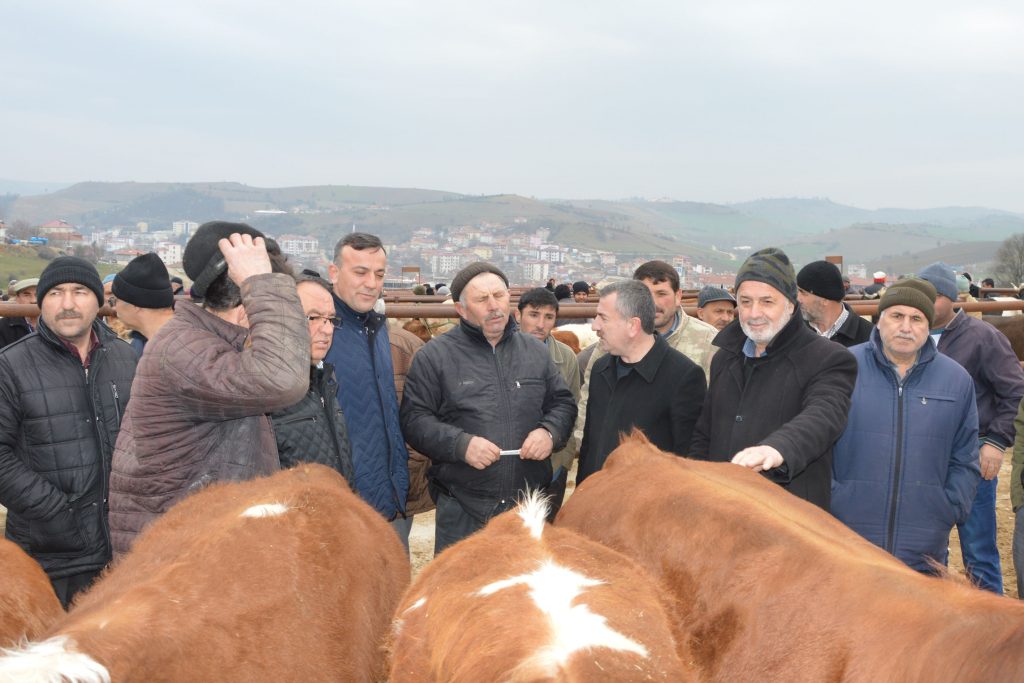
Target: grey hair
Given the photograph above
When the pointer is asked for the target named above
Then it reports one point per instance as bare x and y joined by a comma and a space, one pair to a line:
634, 301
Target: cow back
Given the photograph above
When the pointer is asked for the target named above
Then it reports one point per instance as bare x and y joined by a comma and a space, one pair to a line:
28, 604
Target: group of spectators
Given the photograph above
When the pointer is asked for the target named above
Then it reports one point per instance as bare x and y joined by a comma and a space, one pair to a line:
898, 429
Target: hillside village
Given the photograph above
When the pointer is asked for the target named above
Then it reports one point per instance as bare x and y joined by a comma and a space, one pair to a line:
432, 254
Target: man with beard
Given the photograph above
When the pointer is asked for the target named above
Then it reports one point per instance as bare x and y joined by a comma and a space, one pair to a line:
63, 390
486, 405
779, 393
820, 291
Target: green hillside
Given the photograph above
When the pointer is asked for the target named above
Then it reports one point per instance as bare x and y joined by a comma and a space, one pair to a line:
18, 263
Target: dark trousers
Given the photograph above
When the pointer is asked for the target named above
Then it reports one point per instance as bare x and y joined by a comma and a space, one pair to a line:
67, 587
556, 494
451, 522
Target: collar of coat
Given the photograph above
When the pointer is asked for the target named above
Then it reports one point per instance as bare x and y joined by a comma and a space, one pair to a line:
646, 367
100, 332
477, 334
796, 333
200, 318
925, 355
371, 319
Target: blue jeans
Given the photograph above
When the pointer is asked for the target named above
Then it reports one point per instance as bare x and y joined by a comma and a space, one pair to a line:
402, 527
978, 539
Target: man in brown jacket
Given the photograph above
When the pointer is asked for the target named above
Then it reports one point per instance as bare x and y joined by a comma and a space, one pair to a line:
208, 379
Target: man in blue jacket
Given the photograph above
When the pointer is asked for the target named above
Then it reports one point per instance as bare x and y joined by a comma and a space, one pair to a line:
986, 355
905, 469
361, 356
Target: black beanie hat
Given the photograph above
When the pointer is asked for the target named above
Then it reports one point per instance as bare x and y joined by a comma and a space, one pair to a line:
64, 269
772, 267
913, 292
463, 277
202, 259
580, 287
823, 279
144, 283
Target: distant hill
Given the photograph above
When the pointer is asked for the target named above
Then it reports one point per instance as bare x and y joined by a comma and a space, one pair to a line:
709, 233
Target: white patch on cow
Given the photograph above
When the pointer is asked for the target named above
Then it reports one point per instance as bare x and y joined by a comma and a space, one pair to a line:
51, 661
416, 605
266, 510
553, 589
534, 512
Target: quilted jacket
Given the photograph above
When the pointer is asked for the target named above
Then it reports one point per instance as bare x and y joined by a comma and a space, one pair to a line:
58, 425
198, 410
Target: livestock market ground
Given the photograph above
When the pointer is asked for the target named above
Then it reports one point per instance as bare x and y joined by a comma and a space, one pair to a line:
421, 540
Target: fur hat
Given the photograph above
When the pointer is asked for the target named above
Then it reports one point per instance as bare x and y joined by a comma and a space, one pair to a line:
144, 283
463, 277
772, 267
913, 292
823, 279
202, 259
64, 269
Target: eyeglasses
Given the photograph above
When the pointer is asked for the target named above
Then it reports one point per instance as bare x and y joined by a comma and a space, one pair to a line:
323, 320
112, 301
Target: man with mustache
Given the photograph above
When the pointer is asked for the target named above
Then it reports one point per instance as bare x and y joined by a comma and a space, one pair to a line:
779, 393
361, 356
314, 430
63, 391
906, 466
486, 405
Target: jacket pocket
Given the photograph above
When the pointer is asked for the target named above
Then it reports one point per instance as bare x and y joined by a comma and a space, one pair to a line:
58, 536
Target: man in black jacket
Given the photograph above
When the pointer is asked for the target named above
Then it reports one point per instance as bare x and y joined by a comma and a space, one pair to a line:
779, 394
13, 329
820, 292
314, 430
63, 391
486, 405
641, 382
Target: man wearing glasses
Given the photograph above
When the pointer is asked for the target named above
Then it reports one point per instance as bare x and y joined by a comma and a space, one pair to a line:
313, 430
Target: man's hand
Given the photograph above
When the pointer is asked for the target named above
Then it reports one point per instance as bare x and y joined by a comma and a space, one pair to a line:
480, 453
537, 445
758, 458
991, 459
245, 257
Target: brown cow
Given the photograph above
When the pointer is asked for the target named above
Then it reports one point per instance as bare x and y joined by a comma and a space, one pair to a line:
28, 604
568, 338
768, 587
523, 601
1012, 326
286, 578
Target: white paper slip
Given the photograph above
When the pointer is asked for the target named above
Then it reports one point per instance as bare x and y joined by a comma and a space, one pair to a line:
517, 451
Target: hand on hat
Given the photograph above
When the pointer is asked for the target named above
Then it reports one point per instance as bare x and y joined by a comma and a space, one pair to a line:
245, 257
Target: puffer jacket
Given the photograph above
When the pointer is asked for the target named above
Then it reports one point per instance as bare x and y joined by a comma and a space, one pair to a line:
58, 426
906, 467
794, 399
459, 387
361, 355
201, 395
313, 430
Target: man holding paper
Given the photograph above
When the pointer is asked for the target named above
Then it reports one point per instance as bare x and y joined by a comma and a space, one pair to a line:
475, 392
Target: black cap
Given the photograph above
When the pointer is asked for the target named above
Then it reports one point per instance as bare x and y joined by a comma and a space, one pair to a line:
144, 283
64, 269
202, 259
823, 279
471, 271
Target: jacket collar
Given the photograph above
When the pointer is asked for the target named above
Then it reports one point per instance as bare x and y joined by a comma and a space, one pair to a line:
371, 319
925, 355
732, 337
477, 334
647, 367
958, 319
200, 318
101, 332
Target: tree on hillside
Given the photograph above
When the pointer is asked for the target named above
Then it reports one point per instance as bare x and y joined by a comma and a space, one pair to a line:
1010, 259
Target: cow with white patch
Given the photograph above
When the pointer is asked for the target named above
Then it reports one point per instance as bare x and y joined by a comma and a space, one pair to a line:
286, 578
767, 587
27, 602
523, 601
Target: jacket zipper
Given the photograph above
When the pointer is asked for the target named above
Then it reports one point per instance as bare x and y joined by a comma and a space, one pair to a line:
506, 474
117, 403
897, 470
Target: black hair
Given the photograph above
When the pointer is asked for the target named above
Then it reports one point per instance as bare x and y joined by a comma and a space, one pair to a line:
538, 297
360, 241
658, 272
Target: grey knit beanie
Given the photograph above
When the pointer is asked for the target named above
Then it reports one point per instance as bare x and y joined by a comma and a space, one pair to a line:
772, 267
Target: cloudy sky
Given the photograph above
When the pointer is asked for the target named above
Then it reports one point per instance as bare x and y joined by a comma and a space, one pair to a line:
868, 103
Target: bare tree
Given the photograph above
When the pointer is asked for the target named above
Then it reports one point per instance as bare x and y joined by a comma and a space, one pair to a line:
1010, 259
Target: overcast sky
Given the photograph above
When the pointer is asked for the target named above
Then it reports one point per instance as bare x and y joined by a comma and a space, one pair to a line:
869, 103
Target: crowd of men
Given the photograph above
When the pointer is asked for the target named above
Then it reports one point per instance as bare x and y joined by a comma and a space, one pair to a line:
898, 429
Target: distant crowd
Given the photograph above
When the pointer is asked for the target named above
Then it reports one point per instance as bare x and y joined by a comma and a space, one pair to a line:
897, 425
